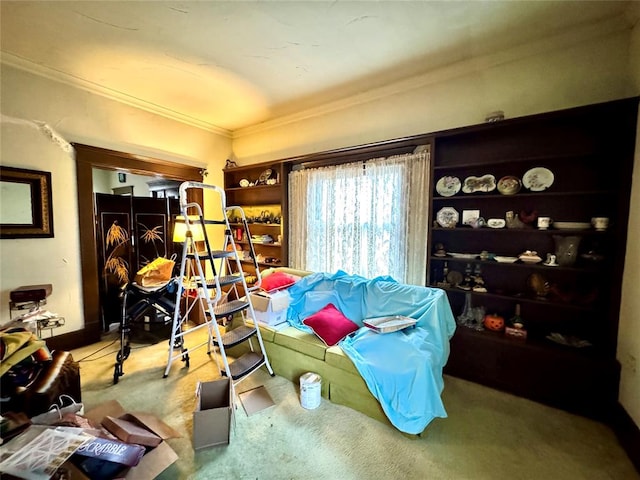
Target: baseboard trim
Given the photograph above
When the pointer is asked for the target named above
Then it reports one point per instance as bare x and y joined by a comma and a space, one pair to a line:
628, 434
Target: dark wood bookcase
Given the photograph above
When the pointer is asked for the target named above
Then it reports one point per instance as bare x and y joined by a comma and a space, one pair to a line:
590, 152
269, 195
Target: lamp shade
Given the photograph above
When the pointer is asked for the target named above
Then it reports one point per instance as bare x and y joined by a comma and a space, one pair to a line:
180, 229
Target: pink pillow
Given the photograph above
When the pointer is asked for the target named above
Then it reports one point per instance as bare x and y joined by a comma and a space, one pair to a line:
330, 325
277, 281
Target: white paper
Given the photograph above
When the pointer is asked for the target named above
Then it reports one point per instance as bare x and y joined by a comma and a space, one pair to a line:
41, 457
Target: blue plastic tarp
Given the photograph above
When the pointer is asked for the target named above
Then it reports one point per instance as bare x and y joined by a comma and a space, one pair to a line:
403, 369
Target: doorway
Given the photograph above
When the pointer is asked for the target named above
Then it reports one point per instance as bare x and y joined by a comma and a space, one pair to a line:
88, 158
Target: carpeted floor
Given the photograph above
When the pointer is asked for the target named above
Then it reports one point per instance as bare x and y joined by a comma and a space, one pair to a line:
488, 434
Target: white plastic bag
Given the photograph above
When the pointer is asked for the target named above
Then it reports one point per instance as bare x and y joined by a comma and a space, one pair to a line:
57, 410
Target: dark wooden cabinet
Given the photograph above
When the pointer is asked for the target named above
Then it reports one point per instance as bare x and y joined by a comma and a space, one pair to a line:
261, 191
265, 184
590, 152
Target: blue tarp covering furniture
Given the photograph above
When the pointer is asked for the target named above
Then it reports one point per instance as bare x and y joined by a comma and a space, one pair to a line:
403, 369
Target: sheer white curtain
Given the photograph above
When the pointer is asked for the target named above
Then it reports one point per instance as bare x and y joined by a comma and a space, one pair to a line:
368, 218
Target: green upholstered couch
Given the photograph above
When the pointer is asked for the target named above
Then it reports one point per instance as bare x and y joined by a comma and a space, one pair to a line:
293, 352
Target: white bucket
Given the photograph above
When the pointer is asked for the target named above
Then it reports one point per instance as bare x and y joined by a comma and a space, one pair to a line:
310, 389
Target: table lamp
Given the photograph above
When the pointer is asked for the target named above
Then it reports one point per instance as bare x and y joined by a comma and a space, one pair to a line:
180, 229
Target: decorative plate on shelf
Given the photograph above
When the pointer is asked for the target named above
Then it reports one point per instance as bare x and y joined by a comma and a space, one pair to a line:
448, 186
496, 223
571, 225
538, 179
244, 183
447, 217
469, 256
485, 183
509, 185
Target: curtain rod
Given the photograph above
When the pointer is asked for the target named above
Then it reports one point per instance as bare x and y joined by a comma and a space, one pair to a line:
349, 157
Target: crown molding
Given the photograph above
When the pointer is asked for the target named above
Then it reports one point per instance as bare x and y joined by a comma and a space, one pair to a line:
464, 67
23, 64
461, 68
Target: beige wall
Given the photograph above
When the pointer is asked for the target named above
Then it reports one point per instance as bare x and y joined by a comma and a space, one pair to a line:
629, 335
81, 117
44, 260
527, 80
104, 181
101, 180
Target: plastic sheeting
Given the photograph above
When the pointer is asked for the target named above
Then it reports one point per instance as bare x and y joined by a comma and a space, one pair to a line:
402, 369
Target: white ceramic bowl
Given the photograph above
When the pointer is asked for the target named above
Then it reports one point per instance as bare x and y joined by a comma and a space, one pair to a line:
502, 259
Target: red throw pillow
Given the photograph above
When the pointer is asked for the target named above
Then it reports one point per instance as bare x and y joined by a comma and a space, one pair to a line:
277, 281
330, 325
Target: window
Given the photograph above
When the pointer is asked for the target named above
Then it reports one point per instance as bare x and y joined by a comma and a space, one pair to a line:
358, 217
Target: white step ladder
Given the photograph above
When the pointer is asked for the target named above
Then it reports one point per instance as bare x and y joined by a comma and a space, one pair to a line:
226, 271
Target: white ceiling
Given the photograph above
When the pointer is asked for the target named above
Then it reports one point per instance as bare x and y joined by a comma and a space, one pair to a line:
225, 65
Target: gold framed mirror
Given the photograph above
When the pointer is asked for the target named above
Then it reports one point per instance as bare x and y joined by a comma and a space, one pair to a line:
26, 209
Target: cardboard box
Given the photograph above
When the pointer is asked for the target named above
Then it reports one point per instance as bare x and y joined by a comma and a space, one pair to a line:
130, 432
190, 307
156, 460
104, 458
270, 308
212, 417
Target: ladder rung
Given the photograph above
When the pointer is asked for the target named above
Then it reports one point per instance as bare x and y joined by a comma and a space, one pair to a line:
214, 222
228, 308
244, 365
212, 254
223, 253
236, 336
225, 280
